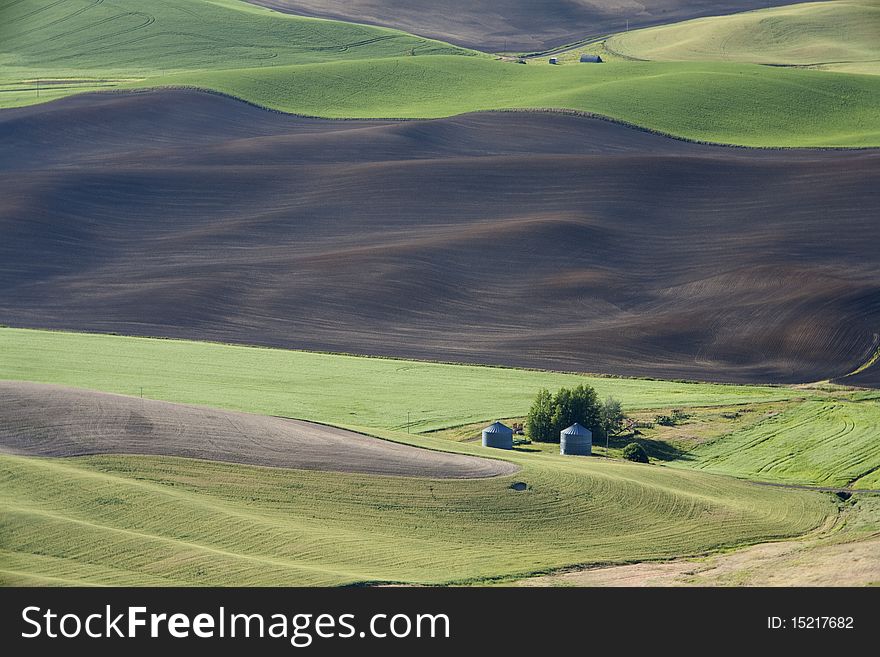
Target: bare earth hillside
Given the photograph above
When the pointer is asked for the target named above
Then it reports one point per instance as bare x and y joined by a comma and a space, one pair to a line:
521, 239
513, 25
48, 420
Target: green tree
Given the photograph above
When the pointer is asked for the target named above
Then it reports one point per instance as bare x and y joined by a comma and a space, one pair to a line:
635, 452
563, 412
550, 414
539, 426
587, 410
612, 417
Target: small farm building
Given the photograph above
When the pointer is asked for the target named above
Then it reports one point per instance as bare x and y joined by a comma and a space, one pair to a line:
576, 440
498, 436
591, 59
554, 60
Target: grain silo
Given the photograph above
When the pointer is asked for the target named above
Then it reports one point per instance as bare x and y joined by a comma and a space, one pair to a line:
498, 436
576, 440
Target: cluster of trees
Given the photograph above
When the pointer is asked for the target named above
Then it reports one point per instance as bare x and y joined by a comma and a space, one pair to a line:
550, 413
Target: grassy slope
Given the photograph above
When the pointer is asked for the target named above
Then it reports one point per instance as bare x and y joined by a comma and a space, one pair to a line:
846, 553
731, 103
148, 520
339, 390
870, 481
748, 104
143, 520
83, 45
840, 35
831, 443
82, 37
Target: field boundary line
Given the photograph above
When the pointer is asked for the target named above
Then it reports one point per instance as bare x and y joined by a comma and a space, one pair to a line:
522, 110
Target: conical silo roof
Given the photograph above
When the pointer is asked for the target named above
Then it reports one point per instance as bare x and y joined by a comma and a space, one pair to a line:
498, 427
576, 430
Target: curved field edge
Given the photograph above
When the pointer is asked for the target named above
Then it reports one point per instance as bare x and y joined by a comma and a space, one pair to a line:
83, 38
511, 25
56, 421
815, 440
336, 69
843, 554
149, 520
736, 104
821, 442
164, 520
731, 104
839, 35
415, 396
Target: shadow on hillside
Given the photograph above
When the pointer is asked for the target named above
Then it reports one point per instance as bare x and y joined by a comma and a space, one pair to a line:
658, 450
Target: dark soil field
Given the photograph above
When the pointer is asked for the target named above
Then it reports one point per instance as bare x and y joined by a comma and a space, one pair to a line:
540, 240
869, 377
48, 420
513, 25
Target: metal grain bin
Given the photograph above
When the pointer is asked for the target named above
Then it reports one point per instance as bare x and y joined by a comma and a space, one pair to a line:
576, 440
498, 436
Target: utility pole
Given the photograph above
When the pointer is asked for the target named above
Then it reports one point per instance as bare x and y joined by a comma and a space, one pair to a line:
142, 392
407, 422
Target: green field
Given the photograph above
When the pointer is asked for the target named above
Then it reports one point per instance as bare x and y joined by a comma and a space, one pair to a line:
340, 390
51, 49
148, 520
284, 62
83, 37
830, 443
843, 553
748, 104
840, 35
153, 520
822, 438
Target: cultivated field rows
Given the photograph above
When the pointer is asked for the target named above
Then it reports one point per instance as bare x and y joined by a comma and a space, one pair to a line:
529, 240
380, 287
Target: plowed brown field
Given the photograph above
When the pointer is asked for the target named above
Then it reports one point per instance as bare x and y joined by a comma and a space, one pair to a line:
521, 239
48, 420
513, 25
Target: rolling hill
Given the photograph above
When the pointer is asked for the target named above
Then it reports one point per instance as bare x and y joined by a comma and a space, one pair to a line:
53, 48
161, 520
327, 388
816, 436
538, 240
138, 520
511, 25
81, 36
340, 70
46, 420
841, 35
868, 377
740, 104
553, 223
826, 443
